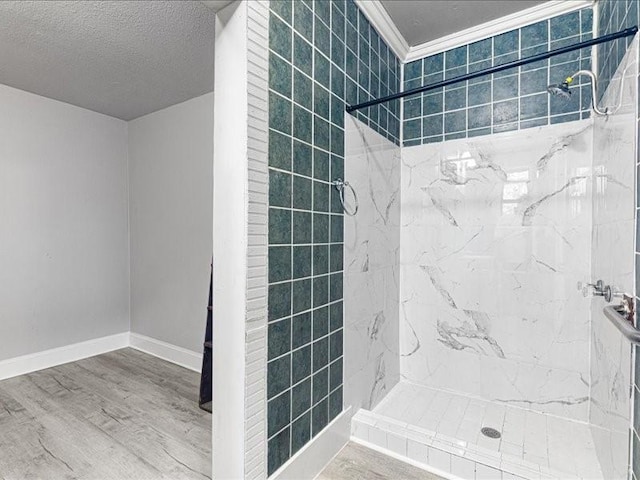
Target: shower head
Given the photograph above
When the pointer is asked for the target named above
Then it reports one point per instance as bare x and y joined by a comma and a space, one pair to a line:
561, 89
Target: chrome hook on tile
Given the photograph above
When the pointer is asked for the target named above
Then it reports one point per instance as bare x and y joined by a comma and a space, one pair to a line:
340, 186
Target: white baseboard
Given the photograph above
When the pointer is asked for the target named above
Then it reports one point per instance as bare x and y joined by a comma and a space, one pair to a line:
32, 362
166, 351
315, 455
402, 458
57, 356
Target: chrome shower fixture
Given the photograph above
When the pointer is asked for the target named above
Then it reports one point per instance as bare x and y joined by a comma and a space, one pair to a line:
562, 89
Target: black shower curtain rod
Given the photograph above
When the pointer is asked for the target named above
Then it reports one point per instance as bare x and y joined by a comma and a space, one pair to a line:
498, 68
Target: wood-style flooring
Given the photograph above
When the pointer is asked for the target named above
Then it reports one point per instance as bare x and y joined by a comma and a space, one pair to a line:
356, 462
122, 415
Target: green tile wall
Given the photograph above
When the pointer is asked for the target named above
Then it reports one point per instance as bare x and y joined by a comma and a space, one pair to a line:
613, 16
509, 100
322, 55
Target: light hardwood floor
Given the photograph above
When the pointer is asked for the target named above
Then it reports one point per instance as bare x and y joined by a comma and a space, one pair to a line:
356, 462
122, 415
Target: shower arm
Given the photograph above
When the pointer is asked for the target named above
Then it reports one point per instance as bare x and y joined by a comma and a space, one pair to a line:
594, 92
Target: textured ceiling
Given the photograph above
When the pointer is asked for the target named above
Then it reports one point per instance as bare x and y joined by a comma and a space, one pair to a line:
120, 58
421, 21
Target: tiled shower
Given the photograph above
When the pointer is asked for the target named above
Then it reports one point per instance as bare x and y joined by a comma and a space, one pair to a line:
449, 302
321, 55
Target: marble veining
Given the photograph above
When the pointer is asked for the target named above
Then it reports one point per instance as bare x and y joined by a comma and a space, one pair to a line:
371, 259
562, 144
530, 211
495, 234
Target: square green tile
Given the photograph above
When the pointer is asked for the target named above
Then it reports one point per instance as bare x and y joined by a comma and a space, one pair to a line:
301, 430
337, 111
320, 322
302, 89
301, 296
279, 189
301, 399
320, 385
320, 354
279, 37
279, 113
534, 106
322, 70
322, 38
335, 404
278, 377
303, 20
319, 417
302, 193
320, 291
321, 101
278, 450
301, 261
320, 165
335, 316
335, 287
279, 75
302, 125
279, 264
301, 330
302, 158
302, 55
337, 167
279, 338
320, 259
336, 140
320, 197
479, 117
505, 88
505, 112
302, 229
336, 257
279, 150
279, 226
279, 301
283, 8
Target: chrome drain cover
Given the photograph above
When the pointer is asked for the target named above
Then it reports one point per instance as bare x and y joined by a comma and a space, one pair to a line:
490, 432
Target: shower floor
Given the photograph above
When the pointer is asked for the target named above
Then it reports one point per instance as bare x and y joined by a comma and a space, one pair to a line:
532, 445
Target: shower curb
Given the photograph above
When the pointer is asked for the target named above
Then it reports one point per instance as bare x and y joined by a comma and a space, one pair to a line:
443, 453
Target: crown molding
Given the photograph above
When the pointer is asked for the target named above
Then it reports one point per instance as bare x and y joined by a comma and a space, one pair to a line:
494, 27
217, 5
382, 22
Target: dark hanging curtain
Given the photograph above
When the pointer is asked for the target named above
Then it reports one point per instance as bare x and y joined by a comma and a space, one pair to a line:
207, 360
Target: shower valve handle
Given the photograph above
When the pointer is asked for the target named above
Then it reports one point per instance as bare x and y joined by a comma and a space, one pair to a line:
598, 289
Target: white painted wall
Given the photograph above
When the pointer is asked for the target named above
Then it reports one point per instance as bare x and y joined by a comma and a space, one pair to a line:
171, 198
230, 249
64, 259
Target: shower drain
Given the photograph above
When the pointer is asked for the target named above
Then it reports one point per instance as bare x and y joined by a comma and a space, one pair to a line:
490, 432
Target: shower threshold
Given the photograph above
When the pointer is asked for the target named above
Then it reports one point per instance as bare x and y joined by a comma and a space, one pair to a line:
442, 430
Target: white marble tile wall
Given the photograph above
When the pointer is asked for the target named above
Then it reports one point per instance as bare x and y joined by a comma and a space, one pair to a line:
495, 234
371, 267
613, 262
